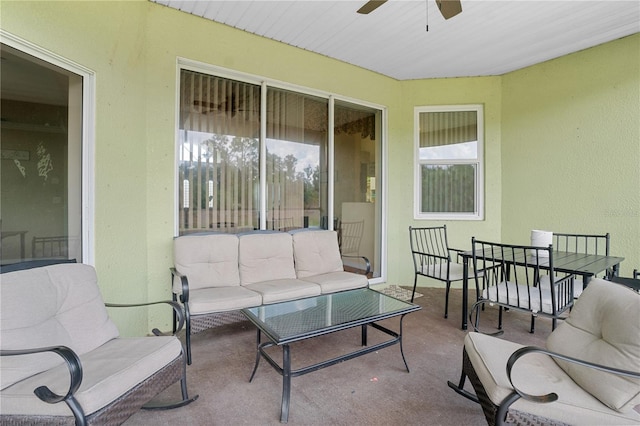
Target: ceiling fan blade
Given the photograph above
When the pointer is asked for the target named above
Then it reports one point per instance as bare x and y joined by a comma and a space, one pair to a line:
370, 6
449, 8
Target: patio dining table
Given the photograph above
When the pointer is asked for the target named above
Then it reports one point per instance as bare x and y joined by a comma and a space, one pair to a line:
585, 265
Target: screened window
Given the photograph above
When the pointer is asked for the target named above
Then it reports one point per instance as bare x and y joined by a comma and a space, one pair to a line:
449, 173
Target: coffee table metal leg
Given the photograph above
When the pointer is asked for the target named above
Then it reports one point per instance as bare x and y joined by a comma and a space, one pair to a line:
286, 384
255, 367
364, 335
400, 342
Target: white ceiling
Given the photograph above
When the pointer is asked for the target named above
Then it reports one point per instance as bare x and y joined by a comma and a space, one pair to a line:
487, 38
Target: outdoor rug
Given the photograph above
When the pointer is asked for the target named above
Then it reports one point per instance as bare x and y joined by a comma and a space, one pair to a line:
398, 292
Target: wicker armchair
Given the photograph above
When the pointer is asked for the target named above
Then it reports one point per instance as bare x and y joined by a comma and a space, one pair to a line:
63, 361
587, 374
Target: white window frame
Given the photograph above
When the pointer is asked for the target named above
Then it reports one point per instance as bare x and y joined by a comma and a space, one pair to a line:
88, 134
478, 213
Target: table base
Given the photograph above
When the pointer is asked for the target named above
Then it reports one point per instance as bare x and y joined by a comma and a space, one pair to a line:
287, 373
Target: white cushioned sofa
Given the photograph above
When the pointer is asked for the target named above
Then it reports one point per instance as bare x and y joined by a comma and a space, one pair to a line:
63, 361
588, 374
215, 275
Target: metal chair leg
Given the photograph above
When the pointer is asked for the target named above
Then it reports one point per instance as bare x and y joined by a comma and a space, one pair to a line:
459, 388
446, 300
415, 283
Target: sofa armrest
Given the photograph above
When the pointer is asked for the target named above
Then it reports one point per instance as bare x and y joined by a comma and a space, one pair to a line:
177, 309
364, 259
75, 372
553, 396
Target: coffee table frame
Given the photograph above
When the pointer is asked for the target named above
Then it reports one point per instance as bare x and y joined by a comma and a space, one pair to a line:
389, 308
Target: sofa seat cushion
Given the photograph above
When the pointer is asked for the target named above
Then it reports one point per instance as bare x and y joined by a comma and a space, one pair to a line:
265, 256
338, 281
209, 260
284, 289
109, 371
603, 328
222, 299
537, 374
50, 306
316, 252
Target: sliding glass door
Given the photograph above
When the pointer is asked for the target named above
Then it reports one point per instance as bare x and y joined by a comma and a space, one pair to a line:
41, 182
357, 178
296, 175
218, 154
252, 156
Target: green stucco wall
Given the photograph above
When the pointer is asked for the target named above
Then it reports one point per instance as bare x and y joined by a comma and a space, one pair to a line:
133, 48
451, 91
571, 147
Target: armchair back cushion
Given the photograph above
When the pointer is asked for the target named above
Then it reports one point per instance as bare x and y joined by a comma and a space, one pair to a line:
603, 328
208, 260
265, 256
316, 252
50, 306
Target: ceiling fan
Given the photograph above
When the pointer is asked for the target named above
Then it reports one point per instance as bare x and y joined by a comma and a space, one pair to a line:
448, 8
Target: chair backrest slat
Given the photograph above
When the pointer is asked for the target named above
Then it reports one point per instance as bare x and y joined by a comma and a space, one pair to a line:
582, 243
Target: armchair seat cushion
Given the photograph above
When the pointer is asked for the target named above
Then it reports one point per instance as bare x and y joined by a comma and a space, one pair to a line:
222, 299
109, 371
338, 281
280, 290
57, 305
537, 374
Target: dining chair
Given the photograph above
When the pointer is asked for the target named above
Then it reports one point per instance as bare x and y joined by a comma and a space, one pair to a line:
50, 247
520, 278
432, 258
582, 243
350, 237
632, 282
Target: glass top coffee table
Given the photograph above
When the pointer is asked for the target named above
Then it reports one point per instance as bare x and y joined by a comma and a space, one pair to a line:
287, 322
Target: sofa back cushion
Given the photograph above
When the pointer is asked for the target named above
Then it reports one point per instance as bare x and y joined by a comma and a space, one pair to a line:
603, 328
265, 256
316, 252
209, 260
57, 305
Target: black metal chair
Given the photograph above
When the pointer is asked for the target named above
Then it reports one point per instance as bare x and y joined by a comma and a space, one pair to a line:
50, 247
349, 237
582, 243
519, 278
432, 258
631, 282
